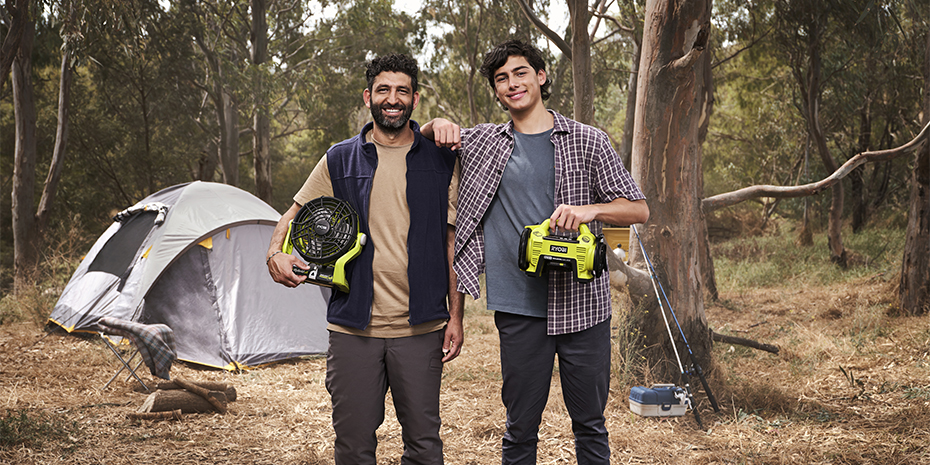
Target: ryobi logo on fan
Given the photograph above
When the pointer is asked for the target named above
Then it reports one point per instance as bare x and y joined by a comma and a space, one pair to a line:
558, 249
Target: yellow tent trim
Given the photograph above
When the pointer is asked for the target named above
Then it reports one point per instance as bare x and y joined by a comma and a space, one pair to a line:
66, 328
146, 254
207, 243
227, 233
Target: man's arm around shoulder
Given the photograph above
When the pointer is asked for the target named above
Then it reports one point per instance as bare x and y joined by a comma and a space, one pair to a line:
443, 132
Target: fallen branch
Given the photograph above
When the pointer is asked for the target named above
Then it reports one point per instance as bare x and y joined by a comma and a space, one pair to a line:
717, 337
780, 192
167, 415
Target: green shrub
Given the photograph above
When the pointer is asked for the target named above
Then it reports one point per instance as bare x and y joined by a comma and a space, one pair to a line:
21, 428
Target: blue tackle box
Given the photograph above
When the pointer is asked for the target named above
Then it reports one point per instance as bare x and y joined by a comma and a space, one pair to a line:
661, 400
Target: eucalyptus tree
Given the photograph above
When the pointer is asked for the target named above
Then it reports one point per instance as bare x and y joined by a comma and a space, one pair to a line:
914, 285
133, 133
25, 248
672, 99
220, 31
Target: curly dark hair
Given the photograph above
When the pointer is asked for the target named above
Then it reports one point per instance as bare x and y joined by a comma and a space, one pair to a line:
398, 63
498, 56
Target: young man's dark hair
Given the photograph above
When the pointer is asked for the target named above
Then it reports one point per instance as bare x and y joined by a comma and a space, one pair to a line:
498, 56
397, 63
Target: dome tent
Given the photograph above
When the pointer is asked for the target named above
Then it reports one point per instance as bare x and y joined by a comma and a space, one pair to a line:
192, 256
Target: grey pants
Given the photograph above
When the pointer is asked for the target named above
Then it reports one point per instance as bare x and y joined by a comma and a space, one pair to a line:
359, 371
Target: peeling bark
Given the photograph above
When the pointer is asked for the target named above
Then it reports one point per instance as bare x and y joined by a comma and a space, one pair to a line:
666, 164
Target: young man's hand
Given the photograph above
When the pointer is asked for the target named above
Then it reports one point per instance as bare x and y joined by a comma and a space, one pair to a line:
620, 211
443, 132
571, 217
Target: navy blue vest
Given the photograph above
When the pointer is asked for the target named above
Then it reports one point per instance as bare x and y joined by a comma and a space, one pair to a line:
352, 164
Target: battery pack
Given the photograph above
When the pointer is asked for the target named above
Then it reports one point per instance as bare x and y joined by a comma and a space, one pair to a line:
660, 400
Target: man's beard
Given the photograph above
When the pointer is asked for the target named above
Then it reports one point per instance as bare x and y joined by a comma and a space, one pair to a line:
391, 125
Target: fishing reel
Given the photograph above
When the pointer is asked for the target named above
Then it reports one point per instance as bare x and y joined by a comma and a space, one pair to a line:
585, 256
326, 234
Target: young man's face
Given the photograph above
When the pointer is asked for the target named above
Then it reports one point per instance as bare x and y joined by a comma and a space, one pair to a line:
391, 100
517, 86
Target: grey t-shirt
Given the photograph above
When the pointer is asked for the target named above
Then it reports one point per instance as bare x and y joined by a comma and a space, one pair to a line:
525, 197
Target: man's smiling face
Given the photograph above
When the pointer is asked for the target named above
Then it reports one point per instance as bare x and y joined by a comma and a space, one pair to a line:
517, 85
391, 101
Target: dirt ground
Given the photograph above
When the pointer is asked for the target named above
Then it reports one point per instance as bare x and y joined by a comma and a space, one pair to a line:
850, 385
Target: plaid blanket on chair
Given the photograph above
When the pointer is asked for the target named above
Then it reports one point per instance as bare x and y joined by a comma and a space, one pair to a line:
155, 342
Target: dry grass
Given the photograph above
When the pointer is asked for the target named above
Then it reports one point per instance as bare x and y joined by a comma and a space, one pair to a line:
850, 386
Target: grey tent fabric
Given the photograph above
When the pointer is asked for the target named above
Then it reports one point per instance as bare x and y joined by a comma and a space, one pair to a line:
202, 272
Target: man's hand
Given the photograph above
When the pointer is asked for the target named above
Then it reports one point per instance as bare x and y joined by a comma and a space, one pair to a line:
570, 218
455, 329
452, 344
619, 211
281, 266
443, 132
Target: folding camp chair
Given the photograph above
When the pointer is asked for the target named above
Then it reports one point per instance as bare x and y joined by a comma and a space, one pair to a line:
155, 344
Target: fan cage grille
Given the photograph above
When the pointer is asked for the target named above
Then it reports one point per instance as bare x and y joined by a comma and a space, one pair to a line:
327, 246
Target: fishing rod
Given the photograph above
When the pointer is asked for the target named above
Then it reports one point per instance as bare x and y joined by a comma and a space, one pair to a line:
685, 374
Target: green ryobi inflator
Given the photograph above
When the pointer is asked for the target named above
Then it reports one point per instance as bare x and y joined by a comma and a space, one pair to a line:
325, 233
585, 256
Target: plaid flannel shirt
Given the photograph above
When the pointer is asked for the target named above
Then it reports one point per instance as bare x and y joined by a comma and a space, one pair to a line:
587, 171
155, 342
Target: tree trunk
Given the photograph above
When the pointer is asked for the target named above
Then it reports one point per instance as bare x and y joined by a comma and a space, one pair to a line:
25, 245
666, 163
50, 190
914, 291
835, 223
626, 144
227, 117
229, 146
857, 189
18, 12
581, 62
261, 126
705, 101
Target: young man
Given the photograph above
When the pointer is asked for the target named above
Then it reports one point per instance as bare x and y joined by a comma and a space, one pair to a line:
539, 165
392, 329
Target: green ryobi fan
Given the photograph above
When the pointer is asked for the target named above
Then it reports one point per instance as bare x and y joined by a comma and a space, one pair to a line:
326, 234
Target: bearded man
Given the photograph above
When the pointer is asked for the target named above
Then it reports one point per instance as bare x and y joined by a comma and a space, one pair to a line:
394, 328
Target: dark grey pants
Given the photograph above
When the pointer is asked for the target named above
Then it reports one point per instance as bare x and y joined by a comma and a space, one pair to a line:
527, 358
359, 371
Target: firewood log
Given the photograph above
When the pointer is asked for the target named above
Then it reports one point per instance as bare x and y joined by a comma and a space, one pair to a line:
208, 385
220, 406
185, 401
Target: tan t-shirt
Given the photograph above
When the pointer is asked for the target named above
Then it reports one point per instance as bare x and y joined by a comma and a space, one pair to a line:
388, 223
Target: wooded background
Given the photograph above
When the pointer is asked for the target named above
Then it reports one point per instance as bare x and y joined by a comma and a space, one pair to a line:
114, 100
